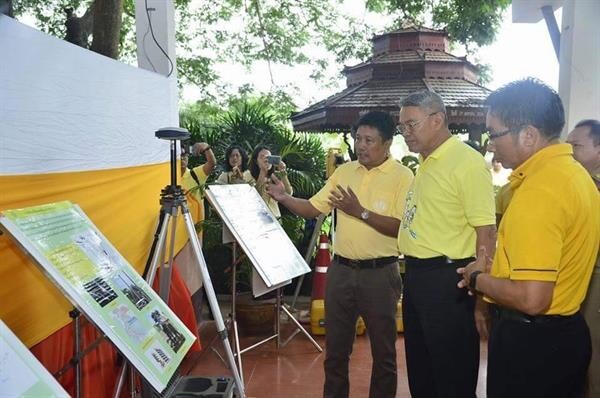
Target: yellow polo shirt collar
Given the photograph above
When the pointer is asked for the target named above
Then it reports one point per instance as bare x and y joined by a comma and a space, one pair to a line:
387, 166
440, 150
520, 173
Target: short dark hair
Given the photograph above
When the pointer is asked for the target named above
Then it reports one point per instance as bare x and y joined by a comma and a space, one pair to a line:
594, 126
382, 121
242, 152
528, 102
253, 165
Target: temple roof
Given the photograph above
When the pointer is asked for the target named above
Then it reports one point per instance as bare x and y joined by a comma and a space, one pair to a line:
409, 56
403, 61
386, 95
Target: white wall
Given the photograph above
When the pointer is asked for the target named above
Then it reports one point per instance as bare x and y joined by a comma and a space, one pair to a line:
579, 78
64, 108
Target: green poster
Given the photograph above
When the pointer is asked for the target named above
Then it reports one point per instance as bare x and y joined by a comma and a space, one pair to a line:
104, 286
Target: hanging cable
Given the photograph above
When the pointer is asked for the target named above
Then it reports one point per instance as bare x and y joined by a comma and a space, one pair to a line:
171, 67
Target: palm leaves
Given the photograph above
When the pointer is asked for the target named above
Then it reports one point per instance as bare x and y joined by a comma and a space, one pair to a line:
253, 122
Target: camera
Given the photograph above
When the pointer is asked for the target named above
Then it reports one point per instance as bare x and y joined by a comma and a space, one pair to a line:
274, 159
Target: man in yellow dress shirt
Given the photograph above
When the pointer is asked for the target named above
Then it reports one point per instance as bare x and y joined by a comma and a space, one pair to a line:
449, 212
548, 240
363, 278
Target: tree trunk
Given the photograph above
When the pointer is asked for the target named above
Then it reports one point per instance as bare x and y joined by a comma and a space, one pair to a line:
6, 8
78, 29
107, 27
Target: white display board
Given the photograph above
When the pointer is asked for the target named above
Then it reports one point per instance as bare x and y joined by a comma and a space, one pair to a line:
94, 276
258, 233
21, 374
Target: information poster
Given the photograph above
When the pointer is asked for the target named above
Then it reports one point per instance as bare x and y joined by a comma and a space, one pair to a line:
103, 285
258, 232
21, 374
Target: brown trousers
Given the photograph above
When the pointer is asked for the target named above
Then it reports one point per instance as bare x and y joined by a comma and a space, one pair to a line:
372, 294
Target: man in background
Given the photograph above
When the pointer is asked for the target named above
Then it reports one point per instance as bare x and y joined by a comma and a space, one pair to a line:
449, 212
548, 240
585, 140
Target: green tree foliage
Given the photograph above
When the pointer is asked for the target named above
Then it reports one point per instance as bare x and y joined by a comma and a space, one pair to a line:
283, 32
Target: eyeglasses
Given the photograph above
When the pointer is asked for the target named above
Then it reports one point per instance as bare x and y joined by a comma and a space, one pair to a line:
493, 136
402, 128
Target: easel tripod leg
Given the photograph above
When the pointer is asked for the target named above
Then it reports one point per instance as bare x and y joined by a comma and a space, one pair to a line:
212, 299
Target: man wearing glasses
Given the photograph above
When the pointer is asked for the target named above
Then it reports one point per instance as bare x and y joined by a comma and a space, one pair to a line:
548, 239
449, 212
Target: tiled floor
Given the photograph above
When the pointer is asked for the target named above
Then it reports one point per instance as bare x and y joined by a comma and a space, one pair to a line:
296, 370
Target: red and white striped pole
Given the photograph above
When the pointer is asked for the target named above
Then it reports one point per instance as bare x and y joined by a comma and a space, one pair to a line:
322, 261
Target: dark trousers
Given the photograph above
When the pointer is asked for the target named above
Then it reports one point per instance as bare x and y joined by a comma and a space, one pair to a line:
547, 359
440, 337
372, 294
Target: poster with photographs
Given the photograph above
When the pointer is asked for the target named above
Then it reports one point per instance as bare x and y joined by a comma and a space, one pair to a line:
102, 284
258, 232
21, 374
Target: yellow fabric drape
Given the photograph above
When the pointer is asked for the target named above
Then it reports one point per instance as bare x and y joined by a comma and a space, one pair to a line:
124, 205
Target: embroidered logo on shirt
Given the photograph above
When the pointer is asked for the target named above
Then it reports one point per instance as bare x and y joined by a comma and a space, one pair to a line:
380, 205
410, 210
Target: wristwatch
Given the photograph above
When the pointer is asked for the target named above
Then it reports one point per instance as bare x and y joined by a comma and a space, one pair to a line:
473, 280
364, 215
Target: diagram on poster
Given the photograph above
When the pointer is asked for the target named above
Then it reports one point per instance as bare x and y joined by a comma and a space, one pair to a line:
103, 285
21, 374
258, 232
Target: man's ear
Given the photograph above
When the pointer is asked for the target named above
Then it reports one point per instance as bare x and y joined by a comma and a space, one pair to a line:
438, 119
529, 136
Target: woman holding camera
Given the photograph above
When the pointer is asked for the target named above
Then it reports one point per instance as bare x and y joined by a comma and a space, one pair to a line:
235, 164
262, 166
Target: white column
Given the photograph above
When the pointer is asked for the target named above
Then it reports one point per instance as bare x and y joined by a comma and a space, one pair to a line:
579, 76
161, 14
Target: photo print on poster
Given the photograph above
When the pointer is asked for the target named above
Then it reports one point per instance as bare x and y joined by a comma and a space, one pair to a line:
131, 324
166, 329
133, 292
100, 291
157, 356
97, 250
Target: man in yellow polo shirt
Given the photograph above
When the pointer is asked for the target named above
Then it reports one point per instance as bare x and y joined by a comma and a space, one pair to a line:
363, 278
548, 240
449, 212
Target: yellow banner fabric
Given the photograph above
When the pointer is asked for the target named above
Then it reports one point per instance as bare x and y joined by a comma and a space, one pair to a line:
122, 203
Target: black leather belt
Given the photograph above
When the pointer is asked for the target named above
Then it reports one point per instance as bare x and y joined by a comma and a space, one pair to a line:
438, 260
506, 314
366, 264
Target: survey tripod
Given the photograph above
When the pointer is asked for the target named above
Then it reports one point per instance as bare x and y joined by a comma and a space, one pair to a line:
173, 202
